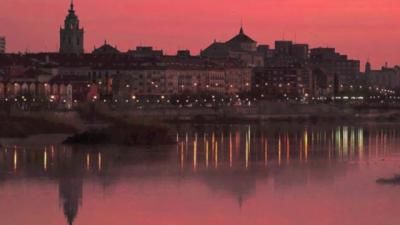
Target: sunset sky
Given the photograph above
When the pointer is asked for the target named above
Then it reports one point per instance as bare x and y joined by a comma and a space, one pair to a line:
360, 28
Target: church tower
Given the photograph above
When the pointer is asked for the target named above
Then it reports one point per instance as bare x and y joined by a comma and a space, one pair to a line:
71, 36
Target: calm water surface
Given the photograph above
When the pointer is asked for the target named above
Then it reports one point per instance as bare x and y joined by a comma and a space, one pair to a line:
216, 175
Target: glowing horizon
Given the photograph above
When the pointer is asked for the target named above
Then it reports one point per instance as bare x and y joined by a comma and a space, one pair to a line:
360, 29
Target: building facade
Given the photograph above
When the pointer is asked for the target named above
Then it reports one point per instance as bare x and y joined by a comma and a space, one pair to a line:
332, 72
38, 86
385, 78
176, 76
286, 72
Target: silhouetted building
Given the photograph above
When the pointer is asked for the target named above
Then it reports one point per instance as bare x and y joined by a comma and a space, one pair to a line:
300, 51
71, 36
242, 42
106, 49
368, 67
240, 47
265, 51
285, 73
145, 52
332, 69
287, 52
283, 48
183, 53
2, 45
386, 78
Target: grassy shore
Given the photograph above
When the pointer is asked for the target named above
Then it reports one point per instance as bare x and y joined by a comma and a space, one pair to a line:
23, 125
89, 125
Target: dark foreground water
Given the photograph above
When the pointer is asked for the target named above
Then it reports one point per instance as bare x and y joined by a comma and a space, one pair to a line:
216, 175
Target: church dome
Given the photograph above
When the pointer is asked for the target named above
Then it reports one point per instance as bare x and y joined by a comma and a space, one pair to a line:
242, 42
241, 38
106, 49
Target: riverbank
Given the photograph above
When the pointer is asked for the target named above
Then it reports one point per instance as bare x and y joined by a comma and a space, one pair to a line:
99, 124
85, 127
295, 118
271, 112
25, 125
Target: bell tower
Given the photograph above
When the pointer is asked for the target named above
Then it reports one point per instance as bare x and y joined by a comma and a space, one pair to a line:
71, 36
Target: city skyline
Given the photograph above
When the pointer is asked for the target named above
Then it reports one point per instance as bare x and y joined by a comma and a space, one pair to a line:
162, 27
189, 112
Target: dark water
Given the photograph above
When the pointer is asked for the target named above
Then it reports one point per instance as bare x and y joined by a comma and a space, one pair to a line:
265, 174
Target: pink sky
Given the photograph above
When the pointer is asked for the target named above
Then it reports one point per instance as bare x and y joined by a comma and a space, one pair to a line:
359, 28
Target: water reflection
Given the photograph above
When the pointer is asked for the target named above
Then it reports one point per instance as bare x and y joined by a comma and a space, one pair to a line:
250, 146
70, 187
227, 159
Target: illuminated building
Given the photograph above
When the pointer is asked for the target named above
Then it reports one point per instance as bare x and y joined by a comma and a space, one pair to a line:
286, 72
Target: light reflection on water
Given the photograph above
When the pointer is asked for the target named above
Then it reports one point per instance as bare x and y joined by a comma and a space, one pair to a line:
245, 169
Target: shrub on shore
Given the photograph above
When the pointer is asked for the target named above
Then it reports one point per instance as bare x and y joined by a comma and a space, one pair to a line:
123, 129
123, 135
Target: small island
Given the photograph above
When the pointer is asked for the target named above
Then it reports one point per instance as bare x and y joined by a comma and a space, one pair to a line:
395, 180
119, 128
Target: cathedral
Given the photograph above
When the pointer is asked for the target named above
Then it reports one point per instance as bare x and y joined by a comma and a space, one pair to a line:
240, 47
71, 36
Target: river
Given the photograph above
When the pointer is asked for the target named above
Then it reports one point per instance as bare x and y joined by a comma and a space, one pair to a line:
279, 174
